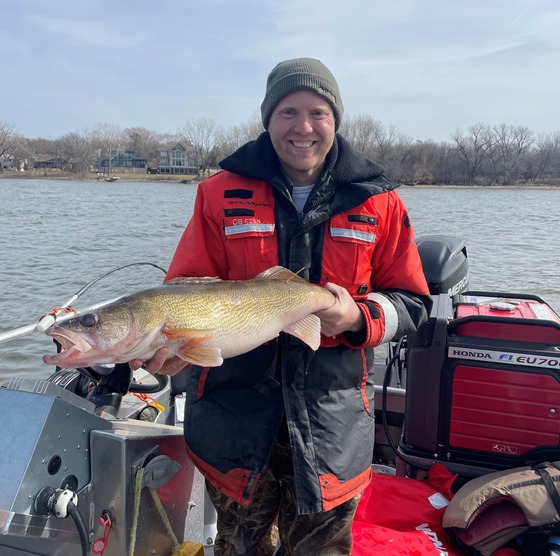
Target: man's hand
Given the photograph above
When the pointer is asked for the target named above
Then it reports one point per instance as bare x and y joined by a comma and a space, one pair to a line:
343, 316
159, 364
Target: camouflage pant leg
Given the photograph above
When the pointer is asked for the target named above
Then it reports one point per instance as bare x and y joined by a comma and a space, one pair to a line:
323, 534
246, 530
251, 530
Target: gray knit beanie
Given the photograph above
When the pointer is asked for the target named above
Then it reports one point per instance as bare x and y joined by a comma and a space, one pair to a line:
297, 75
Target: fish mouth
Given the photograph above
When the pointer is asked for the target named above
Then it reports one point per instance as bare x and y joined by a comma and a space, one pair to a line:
72, 345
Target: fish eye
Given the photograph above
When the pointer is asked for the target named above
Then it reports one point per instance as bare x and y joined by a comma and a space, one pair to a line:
88, 320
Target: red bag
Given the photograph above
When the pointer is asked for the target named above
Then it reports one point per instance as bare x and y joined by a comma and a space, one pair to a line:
399, 516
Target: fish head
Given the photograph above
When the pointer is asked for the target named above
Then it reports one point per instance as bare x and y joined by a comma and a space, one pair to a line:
106, 336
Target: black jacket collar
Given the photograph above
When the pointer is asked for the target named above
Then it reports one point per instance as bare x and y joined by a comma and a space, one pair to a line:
258, 159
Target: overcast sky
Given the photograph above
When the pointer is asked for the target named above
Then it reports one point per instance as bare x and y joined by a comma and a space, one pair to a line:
426, 67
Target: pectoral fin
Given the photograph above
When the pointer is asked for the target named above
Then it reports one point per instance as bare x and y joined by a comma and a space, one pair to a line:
203, 356
193, 348
308, 330
194, 351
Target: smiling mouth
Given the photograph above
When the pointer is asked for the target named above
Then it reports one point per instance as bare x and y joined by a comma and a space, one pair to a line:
302, 144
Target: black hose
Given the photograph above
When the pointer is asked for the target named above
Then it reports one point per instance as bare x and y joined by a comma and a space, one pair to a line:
386, 383
138, 388
95, 280
75, 514
161, 384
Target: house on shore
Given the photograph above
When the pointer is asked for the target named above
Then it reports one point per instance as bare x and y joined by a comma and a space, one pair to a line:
48, 162
173, 159
126, 162
9, 163
176, 159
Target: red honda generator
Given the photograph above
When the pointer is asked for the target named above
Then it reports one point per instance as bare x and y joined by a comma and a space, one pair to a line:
482, 374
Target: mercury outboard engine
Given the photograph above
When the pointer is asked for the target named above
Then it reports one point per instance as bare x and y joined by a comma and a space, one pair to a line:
445, 263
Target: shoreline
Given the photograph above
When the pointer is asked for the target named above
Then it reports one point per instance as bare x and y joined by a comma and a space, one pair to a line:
156, 178
118, 178
464, 186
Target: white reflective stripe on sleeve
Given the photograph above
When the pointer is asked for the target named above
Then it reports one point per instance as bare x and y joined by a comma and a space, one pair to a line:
245, 228
391, 316
353, 234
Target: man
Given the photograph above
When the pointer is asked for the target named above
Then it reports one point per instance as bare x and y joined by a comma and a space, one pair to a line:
284, 432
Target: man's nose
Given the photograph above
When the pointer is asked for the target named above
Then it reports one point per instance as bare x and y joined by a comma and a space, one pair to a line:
304, 124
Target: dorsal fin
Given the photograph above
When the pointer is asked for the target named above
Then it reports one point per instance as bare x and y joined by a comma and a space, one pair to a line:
279, 273
192, 280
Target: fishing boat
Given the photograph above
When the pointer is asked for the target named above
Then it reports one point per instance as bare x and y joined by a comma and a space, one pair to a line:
94, 461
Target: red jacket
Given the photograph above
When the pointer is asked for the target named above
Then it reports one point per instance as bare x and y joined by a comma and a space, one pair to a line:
352, 233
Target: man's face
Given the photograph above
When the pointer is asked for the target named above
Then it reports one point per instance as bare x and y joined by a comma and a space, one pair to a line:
302, 129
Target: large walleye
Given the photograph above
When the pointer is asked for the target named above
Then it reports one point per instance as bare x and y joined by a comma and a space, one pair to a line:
201, 320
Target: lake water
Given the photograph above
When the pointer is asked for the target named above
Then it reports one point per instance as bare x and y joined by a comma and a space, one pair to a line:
57, 236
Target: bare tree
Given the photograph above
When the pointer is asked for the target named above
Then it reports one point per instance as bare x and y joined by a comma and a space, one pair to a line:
363, 133
230, 139
110, 139
547, 151
473, 149
385, 140
509, 143
422, 162
202, 134
398, 158
9, 140
21, 154
247, 131
442, 164
147, 143
78, 146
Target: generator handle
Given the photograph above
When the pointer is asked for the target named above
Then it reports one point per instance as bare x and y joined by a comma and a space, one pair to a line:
443, 315
442, 312
464, 297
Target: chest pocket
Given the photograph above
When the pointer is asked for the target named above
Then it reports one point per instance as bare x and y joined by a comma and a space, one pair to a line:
350, 240
250, 239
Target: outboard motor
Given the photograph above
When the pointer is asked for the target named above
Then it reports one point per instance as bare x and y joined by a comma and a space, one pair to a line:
445, 263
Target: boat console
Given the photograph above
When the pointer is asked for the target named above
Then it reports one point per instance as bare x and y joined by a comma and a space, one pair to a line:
122, 481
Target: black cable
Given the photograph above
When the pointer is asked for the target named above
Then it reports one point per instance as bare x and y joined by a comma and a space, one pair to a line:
75, 514
386, 383
139, 388
95, 280
162, 382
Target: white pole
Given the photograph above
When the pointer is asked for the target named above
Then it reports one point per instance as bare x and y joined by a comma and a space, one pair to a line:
48, 320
